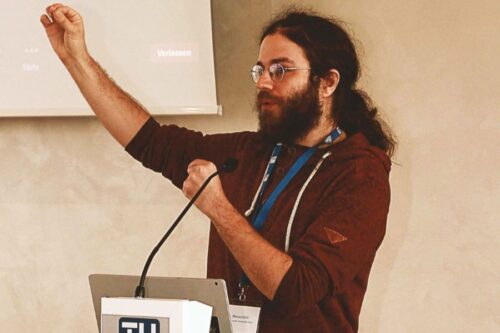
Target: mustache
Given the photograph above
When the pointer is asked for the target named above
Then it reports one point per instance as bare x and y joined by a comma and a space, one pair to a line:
261, 95
268, 97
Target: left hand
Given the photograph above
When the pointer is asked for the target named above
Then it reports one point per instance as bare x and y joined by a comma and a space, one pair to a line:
212, 199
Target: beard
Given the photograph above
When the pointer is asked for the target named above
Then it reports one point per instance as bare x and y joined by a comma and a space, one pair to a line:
293, 116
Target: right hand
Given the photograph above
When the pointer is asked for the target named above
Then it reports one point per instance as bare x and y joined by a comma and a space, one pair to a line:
64, 28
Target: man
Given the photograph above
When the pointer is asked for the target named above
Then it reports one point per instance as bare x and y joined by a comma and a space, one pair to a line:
301, 241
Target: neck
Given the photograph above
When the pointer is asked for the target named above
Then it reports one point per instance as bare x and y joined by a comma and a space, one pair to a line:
323, 128
316, 135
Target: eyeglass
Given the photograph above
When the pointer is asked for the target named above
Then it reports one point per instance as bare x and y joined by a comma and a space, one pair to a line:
276, 71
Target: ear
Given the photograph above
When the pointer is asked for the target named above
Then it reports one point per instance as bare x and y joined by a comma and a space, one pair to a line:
329, 83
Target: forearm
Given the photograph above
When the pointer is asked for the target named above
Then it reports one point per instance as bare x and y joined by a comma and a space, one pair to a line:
119, 112
264, 264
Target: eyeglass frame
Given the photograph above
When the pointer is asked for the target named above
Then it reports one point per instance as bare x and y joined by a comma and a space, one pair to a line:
273, 77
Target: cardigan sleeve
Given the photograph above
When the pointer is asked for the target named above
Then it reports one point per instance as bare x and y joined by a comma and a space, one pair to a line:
169, 149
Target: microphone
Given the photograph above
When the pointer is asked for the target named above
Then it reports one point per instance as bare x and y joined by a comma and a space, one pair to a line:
228, 166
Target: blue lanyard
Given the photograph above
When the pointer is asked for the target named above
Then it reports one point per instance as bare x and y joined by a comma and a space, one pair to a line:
267, 174
260, 214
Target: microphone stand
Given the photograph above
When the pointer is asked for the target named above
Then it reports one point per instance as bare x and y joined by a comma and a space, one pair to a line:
228, 166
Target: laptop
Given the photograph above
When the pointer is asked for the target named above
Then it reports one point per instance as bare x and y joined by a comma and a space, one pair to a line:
212, 292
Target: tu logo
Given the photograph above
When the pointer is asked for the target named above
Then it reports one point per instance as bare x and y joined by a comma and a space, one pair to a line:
138, 325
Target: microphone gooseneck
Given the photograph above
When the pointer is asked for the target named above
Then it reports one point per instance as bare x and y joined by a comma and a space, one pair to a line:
228, 166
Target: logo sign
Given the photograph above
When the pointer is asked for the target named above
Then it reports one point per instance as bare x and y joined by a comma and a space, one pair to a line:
138, 325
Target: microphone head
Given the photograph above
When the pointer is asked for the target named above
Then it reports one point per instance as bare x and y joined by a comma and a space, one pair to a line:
229, 165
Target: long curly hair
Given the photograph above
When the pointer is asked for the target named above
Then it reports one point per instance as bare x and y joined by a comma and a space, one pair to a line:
328, 46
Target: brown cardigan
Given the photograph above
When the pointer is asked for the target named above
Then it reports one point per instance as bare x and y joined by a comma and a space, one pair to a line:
339, 224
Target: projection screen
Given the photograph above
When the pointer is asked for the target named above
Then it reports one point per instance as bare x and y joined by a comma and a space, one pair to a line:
160, 51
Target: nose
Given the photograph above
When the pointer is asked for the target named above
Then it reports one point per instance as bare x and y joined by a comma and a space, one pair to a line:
264, 82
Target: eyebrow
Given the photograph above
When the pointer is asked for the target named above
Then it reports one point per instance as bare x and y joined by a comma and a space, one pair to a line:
277, 60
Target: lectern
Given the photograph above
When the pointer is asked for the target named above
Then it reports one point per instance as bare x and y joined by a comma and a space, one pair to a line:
113, 298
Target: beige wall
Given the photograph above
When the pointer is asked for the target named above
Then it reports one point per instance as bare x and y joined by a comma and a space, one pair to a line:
73, 203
